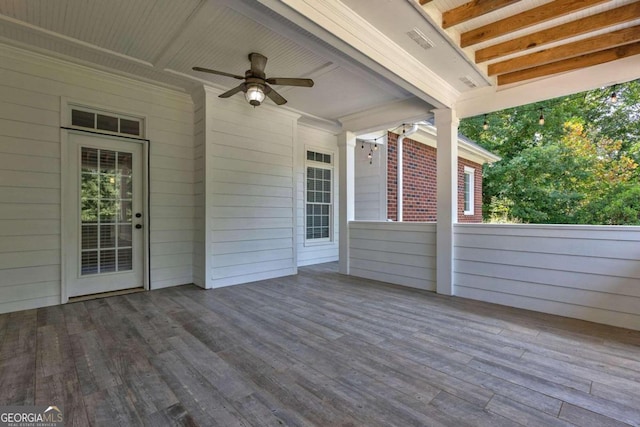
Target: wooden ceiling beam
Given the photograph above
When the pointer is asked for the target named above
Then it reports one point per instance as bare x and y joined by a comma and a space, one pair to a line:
601, 20
537, 15
569, 50
570, 64
471, 10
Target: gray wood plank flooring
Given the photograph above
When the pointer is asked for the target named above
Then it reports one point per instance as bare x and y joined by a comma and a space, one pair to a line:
316, 349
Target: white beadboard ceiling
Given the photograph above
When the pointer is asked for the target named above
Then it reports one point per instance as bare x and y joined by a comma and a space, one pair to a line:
160, 40
396, 18
140, 29
217, 44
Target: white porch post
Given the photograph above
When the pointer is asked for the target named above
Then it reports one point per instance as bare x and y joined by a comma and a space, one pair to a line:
346, 176
447, 197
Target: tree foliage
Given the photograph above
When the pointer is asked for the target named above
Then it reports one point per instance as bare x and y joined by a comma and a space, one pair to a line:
580, 167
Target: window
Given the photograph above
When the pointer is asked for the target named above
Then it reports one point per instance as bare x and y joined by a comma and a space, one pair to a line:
106, 122
469, 185
319, 205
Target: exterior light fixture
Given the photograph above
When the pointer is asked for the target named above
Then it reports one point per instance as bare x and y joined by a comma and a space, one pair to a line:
375, 147
541, 119
614, 96
485, 125
254, 94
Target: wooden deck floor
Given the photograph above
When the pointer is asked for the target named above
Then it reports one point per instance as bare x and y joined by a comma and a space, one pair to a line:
316, 349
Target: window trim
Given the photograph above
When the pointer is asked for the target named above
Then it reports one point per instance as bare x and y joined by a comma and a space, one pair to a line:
471, 172
321, 165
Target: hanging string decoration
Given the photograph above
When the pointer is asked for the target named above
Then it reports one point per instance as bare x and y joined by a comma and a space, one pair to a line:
372, 145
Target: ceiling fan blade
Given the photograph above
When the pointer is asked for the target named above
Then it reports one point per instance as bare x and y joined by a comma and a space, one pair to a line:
275, 96
231, 92
258, 63
284, 81
220, 73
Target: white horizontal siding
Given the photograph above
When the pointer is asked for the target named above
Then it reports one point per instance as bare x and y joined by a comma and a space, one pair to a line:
395, 252
586, 272
370, 199
247, 192
314, 139
31, 88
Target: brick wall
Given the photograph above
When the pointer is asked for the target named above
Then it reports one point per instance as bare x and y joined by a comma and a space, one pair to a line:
419, 183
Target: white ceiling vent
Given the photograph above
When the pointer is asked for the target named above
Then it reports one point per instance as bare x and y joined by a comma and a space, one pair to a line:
418, 36
468, 81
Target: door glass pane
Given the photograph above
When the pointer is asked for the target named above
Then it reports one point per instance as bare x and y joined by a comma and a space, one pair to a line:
126, 186
90, 160
124, 163
108, 161
90, 208
107, 261
90, 186
107, 236
108, 186
106, 211
124, 235
89, 237
124, 259
124, 211
89, 262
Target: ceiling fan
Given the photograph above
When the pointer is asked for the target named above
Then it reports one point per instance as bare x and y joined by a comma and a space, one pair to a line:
255, 85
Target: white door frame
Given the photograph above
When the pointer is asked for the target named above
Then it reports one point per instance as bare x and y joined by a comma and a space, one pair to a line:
65, 176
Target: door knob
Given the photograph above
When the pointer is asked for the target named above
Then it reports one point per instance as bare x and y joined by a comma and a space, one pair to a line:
138, 226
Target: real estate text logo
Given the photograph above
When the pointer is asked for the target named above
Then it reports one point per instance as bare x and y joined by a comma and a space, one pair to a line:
31, 416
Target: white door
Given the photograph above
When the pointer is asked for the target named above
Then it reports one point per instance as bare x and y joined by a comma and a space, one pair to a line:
104, 234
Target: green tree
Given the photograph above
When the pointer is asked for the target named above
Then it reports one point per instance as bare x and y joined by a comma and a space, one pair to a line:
579, 167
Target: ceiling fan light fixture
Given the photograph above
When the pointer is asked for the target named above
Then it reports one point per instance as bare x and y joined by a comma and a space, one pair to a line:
256, 84
254, 94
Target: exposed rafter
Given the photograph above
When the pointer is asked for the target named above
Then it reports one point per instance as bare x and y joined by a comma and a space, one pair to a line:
561, 32
569, 50
471, 10
537, 39
528, 18
582, 61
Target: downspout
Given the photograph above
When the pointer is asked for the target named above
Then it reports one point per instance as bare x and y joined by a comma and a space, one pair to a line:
414, 129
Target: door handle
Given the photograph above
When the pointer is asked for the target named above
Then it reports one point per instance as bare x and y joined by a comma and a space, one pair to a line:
138, 226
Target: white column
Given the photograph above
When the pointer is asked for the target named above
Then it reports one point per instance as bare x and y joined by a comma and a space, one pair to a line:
400, 178
346, 176
447, 196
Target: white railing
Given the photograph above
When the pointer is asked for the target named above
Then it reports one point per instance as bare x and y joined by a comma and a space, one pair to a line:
402, 253
584, 272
